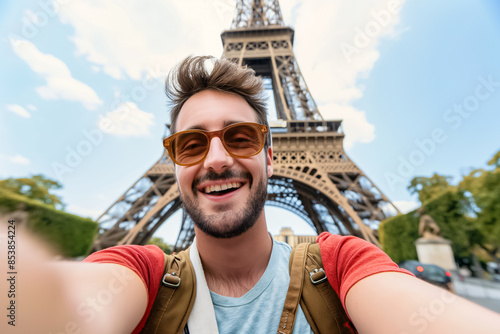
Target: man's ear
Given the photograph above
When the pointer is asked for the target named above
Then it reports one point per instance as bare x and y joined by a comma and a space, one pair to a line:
269, 162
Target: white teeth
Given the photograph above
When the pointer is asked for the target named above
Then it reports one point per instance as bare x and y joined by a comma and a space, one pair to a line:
220, 187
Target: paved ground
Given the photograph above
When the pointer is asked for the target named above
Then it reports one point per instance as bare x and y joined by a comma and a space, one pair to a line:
480, 291
492, 304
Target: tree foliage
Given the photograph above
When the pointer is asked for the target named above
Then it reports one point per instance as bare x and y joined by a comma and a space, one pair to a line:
428, 188
495, 161
70, 235
398, 234
449, 211
36, 187
160, 243
472, 217
483, 187
468, 214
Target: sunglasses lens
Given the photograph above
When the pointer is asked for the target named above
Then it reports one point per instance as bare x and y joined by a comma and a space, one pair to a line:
244, 140
189, 148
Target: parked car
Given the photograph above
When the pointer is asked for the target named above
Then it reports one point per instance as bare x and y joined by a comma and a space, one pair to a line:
429, 273
494, 271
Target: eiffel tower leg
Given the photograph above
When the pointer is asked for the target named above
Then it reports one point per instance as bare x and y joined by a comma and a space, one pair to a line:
365, 231
276, 84
169, 196
333, 212
304, 200
344, 219
138, 213
302, 165
186, 233
313, 214
144, 237
306, 195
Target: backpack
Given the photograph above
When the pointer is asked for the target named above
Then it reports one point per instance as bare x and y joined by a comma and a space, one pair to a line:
308, 286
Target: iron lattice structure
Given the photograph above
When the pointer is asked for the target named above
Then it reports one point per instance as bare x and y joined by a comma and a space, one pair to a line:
313, 176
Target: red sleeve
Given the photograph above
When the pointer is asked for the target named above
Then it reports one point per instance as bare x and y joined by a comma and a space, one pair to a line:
348, 259
146, 261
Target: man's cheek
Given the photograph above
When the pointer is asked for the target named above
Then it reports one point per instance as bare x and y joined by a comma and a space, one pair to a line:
184, 181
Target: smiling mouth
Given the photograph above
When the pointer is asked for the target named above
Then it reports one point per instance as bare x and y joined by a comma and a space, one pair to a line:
222, 189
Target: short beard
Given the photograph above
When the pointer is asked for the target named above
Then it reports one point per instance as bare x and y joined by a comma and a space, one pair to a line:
227, 223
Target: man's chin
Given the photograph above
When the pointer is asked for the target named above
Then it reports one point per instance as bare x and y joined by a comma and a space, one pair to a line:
222, 225
222, 234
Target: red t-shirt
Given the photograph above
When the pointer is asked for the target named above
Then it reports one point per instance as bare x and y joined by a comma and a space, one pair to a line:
346, 260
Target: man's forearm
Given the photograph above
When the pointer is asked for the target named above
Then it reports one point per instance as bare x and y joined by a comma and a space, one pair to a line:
69, 297
401, 304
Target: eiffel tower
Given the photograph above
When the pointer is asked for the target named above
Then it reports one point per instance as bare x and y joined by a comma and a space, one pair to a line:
313, 176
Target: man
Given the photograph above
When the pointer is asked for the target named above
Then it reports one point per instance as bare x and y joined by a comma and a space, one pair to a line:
221, 148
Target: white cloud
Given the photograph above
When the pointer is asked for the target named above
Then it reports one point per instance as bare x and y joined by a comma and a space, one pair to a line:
127, 120
126, 39
15, 108
356, 126
406, 206
332, 74
130, 39
32, 107
16, 159
60, 83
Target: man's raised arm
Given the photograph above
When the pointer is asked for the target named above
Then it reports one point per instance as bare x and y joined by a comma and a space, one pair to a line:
382, 298
397, 303
45, 296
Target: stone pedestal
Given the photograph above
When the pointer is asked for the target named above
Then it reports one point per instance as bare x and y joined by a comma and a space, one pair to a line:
436, 251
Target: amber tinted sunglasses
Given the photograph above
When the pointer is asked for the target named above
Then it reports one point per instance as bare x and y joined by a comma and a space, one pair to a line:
241, 140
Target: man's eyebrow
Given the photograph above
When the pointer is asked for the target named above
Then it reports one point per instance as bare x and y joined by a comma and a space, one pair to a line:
226, 123
195, 127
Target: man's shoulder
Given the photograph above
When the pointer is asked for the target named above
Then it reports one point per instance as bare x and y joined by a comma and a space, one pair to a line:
137, 254
325, 239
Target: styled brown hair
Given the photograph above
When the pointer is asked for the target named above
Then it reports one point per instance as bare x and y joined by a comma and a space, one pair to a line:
196, 74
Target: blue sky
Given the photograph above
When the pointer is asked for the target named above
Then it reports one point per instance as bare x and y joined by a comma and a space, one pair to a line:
81, 99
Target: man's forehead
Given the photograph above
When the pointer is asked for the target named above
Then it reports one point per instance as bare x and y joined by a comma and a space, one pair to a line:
209, 108
202, 126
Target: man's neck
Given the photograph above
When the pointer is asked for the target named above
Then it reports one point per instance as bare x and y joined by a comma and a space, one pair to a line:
233, 266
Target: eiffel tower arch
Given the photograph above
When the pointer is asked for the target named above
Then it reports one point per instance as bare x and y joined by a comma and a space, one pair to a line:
313, 177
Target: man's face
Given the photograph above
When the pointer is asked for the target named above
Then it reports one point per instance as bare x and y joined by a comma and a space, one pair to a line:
219, 212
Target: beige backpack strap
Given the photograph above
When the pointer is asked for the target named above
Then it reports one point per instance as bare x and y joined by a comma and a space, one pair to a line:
320, 303
294, 290
175, 297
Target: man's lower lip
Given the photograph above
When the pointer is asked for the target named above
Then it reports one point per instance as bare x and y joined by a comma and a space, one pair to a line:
221, 197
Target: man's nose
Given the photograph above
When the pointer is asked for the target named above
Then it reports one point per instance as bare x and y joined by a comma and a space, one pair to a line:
217, 158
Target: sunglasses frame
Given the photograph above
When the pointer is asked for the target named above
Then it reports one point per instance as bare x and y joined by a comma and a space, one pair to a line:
167, 142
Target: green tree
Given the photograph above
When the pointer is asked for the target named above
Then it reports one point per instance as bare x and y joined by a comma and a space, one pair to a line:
36, 187
428, 188
160, 243
483, 187
398, 233
449, 207
495, 161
